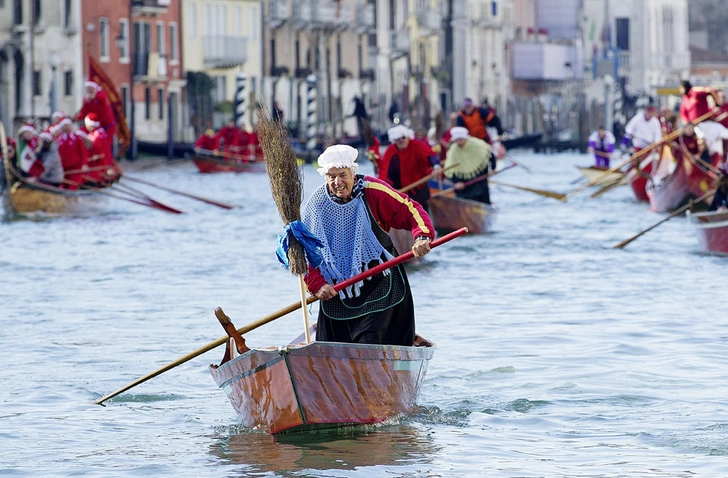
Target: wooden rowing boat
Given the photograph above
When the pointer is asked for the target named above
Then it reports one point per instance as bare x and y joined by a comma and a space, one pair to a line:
593, 172
27, 198
712, 228
319, 385
676, 179
450, 213
212, 164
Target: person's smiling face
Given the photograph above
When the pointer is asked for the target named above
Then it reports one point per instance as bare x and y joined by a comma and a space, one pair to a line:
340, 182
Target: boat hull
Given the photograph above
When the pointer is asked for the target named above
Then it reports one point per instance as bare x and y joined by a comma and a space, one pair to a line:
450, 213
323, 384
712, 229
216, 165
25, 198
668, 187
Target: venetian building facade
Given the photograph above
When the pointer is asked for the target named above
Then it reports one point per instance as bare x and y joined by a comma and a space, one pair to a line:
138, 46
222, 39
482, 31
316, 60
40, 60
633, 47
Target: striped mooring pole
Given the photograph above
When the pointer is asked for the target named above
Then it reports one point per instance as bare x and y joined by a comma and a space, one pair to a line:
310, 112
240, 99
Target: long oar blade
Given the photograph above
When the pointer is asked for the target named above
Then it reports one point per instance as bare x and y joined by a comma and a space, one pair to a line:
674, 213
542, 192
607, 188
286, 310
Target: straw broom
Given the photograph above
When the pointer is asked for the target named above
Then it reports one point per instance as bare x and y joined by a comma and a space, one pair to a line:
287, 189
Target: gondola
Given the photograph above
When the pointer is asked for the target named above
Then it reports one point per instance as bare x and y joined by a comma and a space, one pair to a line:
23, 197
676, 179
318, 385
450, 213
712, 228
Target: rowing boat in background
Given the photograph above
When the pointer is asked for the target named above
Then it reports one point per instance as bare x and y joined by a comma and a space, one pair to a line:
450, 213
22, 197
215, 164
712, 229
594, 172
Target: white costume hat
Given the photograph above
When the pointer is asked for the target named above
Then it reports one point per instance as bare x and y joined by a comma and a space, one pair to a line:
90, 123
400, 131
337, 156
92, 84
58, 115
27, 129
458, 132
46, 135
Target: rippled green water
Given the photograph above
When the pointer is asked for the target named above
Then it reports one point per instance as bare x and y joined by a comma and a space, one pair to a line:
556, 355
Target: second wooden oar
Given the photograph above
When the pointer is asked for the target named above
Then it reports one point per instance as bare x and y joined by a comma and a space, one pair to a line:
421, 181
474, 180
276, 315
542, 192
674, 213
181, 193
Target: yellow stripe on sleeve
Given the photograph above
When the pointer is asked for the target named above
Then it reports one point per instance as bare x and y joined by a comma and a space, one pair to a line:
412, 209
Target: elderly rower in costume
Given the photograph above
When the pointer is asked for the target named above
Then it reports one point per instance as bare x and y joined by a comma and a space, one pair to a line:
406, 161
468, 158
351, 215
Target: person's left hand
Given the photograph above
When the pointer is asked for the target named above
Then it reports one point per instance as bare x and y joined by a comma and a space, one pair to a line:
421, 247
459, 186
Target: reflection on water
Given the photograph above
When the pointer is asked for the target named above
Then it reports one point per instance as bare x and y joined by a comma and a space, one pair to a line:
345, 448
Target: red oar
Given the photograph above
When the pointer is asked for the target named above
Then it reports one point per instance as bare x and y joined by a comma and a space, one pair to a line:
286, 310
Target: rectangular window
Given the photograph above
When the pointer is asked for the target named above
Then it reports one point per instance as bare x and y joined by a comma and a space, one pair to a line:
254, 24
147, 103
68, 83
36, 11
160, 39
67, 14
238, 21
36, 83
125, 99
160, 95
18, 12
494, 6
124, 33
104, 39
192, 23
173, 43
220, 88
622, 34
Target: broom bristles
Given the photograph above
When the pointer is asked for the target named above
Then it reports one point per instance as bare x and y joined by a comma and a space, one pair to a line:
285, 179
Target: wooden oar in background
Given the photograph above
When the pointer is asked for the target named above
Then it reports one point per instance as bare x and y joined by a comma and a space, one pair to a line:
181, 193
280, 313
542, 192
472, 181
421, 181
674, 213
636, 156
104, 192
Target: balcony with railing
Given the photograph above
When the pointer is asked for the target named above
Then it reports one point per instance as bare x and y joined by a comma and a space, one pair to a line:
224, 51
149, 7
399, 43
321, 15
277, 13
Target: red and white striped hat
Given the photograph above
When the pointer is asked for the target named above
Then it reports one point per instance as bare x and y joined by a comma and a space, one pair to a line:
28, 128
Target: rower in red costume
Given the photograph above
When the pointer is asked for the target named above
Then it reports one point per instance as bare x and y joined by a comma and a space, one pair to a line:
207, 141
406, 161
74, 156
100, 150
226, 136
96, 102
698, 101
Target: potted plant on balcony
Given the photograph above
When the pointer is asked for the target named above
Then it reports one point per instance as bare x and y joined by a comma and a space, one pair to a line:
279, 70
303, 71
367, 74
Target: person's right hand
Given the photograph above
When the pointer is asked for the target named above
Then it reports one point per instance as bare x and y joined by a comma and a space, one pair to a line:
326, 292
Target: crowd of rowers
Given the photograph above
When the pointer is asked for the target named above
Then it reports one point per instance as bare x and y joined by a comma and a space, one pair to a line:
231, 142
464, 154
703, 116
66, 154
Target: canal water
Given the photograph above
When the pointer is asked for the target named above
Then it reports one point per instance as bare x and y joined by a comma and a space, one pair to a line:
557, 355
